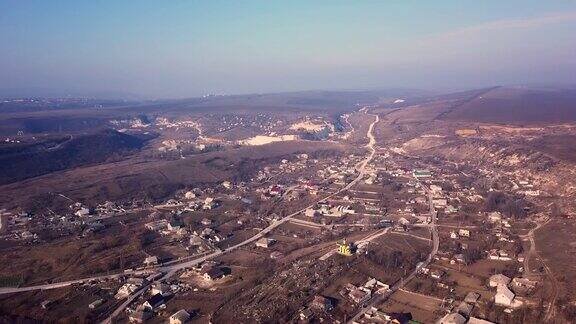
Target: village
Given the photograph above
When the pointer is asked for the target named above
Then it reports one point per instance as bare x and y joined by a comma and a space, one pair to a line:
429, 242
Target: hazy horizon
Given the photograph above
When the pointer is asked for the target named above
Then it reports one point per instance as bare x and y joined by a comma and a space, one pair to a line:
187, 49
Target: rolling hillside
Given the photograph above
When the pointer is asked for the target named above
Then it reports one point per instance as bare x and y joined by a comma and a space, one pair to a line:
517, 105
26, 161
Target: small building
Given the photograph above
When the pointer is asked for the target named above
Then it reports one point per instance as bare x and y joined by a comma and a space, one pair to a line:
450, 209
82, 212
189, 195
306, 314
464, 309
157, 225
498, 280
399, 318
140, 315
494, 217
206, 221
46, 304
499, 255
276, 255
524, 283
403, 221
195, 240
464, 232
265, 242
209, 203
309, 212
160, 288
151, 260
360, 295
373, 283
154, 302
179, 317
345, 248
460, 258
453, 318
322, 303
472, 297
95, 304
475, 320
437, 274
439, 203
419, 174
436, 190
504, 296
213, 273
175, 224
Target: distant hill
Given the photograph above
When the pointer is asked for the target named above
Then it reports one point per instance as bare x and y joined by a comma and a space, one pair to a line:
517, 105
21, 161
313, 101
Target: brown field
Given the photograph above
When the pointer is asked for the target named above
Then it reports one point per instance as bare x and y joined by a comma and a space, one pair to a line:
421, 307
556, 244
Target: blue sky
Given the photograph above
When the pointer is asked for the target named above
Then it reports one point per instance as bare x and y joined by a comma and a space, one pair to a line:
188, 48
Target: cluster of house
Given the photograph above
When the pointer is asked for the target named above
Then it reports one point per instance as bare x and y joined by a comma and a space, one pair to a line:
329, 209
134, 284
152, 304
164, 122
80, 219
109, 208
502, 226
286, 167
166, 227
319, 304
339, 171
209, 270
17, 226
361, 294
80, 210
209, 234
525, 187
190, 204
504, 295
462, 232
158, 294
271, 191
453, 258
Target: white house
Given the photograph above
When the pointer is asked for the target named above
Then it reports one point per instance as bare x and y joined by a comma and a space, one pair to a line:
498, 280
189, 195
82, 212
453, 318
179, 317
504, 296
464, 232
